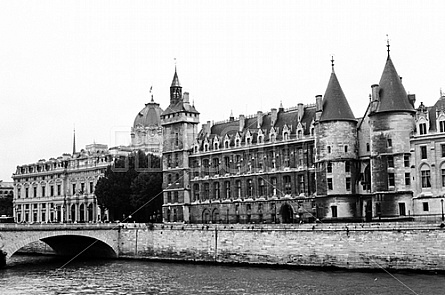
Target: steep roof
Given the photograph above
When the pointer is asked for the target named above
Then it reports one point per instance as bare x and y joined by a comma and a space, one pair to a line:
175, 81
392, 93
181, 106
335, 104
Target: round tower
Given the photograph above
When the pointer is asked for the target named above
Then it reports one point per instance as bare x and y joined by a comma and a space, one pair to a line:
336, 153
391, 121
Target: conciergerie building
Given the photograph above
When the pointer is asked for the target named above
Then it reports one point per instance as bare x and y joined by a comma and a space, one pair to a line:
287, 165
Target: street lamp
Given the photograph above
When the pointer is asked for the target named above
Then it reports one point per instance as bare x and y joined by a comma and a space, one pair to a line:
443, 218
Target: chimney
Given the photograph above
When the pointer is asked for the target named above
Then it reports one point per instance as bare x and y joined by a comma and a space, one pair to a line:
208, 127
412, 99
259, 119
242, 121
300, 108
185, 97
273, 116
318, 107
375, 92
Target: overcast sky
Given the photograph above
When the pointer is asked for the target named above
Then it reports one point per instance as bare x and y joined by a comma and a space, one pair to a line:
90, 64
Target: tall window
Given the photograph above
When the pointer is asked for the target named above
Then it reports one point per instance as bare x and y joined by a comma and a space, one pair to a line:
35, 192
206, 164
43, 191
346, 148
238, 188
330, 186
391, 179
443, 177
334, 211
329, 167
227, 189
301, 183
426, 178
422, 128
443, 150
407, 179
216, 190
347, 166
176, 197
348, 183
406, 160
261, 190
389, 142
196, 191
249, 188
206, 191
273, 181
367, 147
442, 126
329, 149
169, 197
300, 157
287, 185
390, 161
423, 152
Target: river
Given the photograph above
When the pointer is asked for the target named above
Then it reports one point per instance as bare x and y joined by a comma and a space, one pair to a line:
43, 275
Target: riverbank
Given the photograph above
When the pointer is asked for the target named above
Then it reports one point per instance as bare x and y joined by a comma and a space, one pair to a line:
370, 246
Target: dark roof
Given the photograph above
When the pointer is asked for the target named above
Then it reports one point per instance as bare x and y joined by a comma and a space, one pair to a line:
438, 106
175, 82
335, 104
392, 93
180, 107
149, 116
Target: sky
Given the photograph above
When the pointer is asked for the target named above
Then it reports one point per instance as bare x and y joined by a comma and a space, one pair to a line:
89, 65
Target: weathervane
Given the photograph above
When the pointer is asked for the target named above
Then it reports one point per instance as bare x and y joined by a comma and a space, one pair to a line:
332, 63
387, 43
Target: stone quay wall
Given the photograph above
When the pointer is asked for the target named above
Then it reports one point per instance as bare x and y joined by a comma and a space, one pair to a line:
411, 246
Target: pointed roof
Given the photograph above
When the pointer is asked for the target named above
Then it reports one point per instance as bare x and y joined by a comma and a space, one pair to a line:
392, 93
175, 82
335, 104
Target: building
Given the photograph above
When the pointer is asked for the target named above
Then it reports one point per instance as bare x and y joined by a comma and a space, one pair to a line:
308, 162
62, 189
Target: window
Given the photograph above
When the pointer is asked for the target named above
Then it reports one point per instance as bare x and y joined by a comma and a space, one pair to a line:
301, 183
177, 139
206, 165
423, 152
348, 184
169, 178
389, 142
329, 149
43, 191
74, 188
177, 178
26, 192
330, 186
422, 128
169, 158
442, 126
82, 187
391, 179
287, 185
346, 148
443, 150
273, 181
261, 190
334, 211
425, 206
402, 210
206, 191
227, 188
347, 166
169, 197
367, 147
425, 177
390, 161
238, 188
407, 179
300, 157
329, 167
216, 190
443, 177
35, 192
406, 160
196, 191
91, 187
176, 197
249, 188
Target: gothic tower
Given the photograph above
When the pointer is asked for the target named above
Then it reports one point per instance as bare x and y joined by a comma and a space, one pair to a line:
336, 153
180, 126
391, 121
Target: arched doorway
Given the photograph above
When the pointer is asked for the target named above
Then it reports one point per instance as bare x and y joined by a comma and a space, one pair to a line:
215, 216
287, 214
205, 216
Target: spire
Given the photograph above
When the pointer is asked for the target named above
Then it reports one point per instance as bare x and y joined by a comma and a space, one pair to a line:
175, 89
392, 94
335, 104
74, 142
387, 45
175, 82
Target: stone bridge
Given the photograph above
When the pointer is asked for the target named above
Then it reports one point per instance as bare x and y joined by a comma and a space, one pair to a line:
94, 240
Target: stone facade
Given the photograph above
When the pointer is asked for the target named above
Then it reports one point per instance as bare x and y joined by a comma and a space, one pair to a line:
62, 189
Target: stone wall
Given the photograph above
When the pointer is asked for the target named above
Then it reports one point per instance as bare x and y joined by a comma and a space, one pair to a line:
355, 246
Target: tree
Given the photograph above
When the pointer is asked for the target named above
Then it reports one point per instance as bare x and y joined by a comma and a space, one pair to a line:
114, 190
6, 205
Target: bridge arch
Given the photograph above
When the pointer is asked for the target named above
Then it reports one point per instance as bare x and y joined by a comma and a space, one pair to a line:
67, 242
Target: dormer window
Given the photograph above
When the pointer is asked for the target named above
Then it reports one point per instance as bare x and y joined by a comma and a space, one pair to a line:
237, 142
422, 128
226, 144
206, 147
196, 149
215, 145
442, 126
286, 135
272, 137
300, 134
260, 138
248, 140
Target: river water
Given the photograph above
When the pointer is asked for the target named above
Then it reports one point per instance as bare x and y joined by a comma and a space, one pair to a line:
43, 275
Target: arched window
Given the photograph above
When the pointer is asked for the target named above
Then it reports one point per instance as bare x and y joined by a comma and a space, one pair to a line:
425, 176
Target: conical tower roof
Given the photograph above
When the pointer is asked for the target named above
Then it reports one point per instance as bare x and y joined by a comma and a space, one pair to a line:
175, 82
335, 104
392, 93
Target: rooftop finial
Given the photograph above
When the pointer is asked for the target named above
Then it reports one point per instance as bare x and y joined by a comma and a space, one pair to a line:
74, 140
151, 88
387, 44
332, 63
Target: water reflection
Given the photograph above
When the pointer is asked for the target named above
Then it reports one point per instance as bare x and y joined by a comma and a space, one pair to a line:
41, 275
